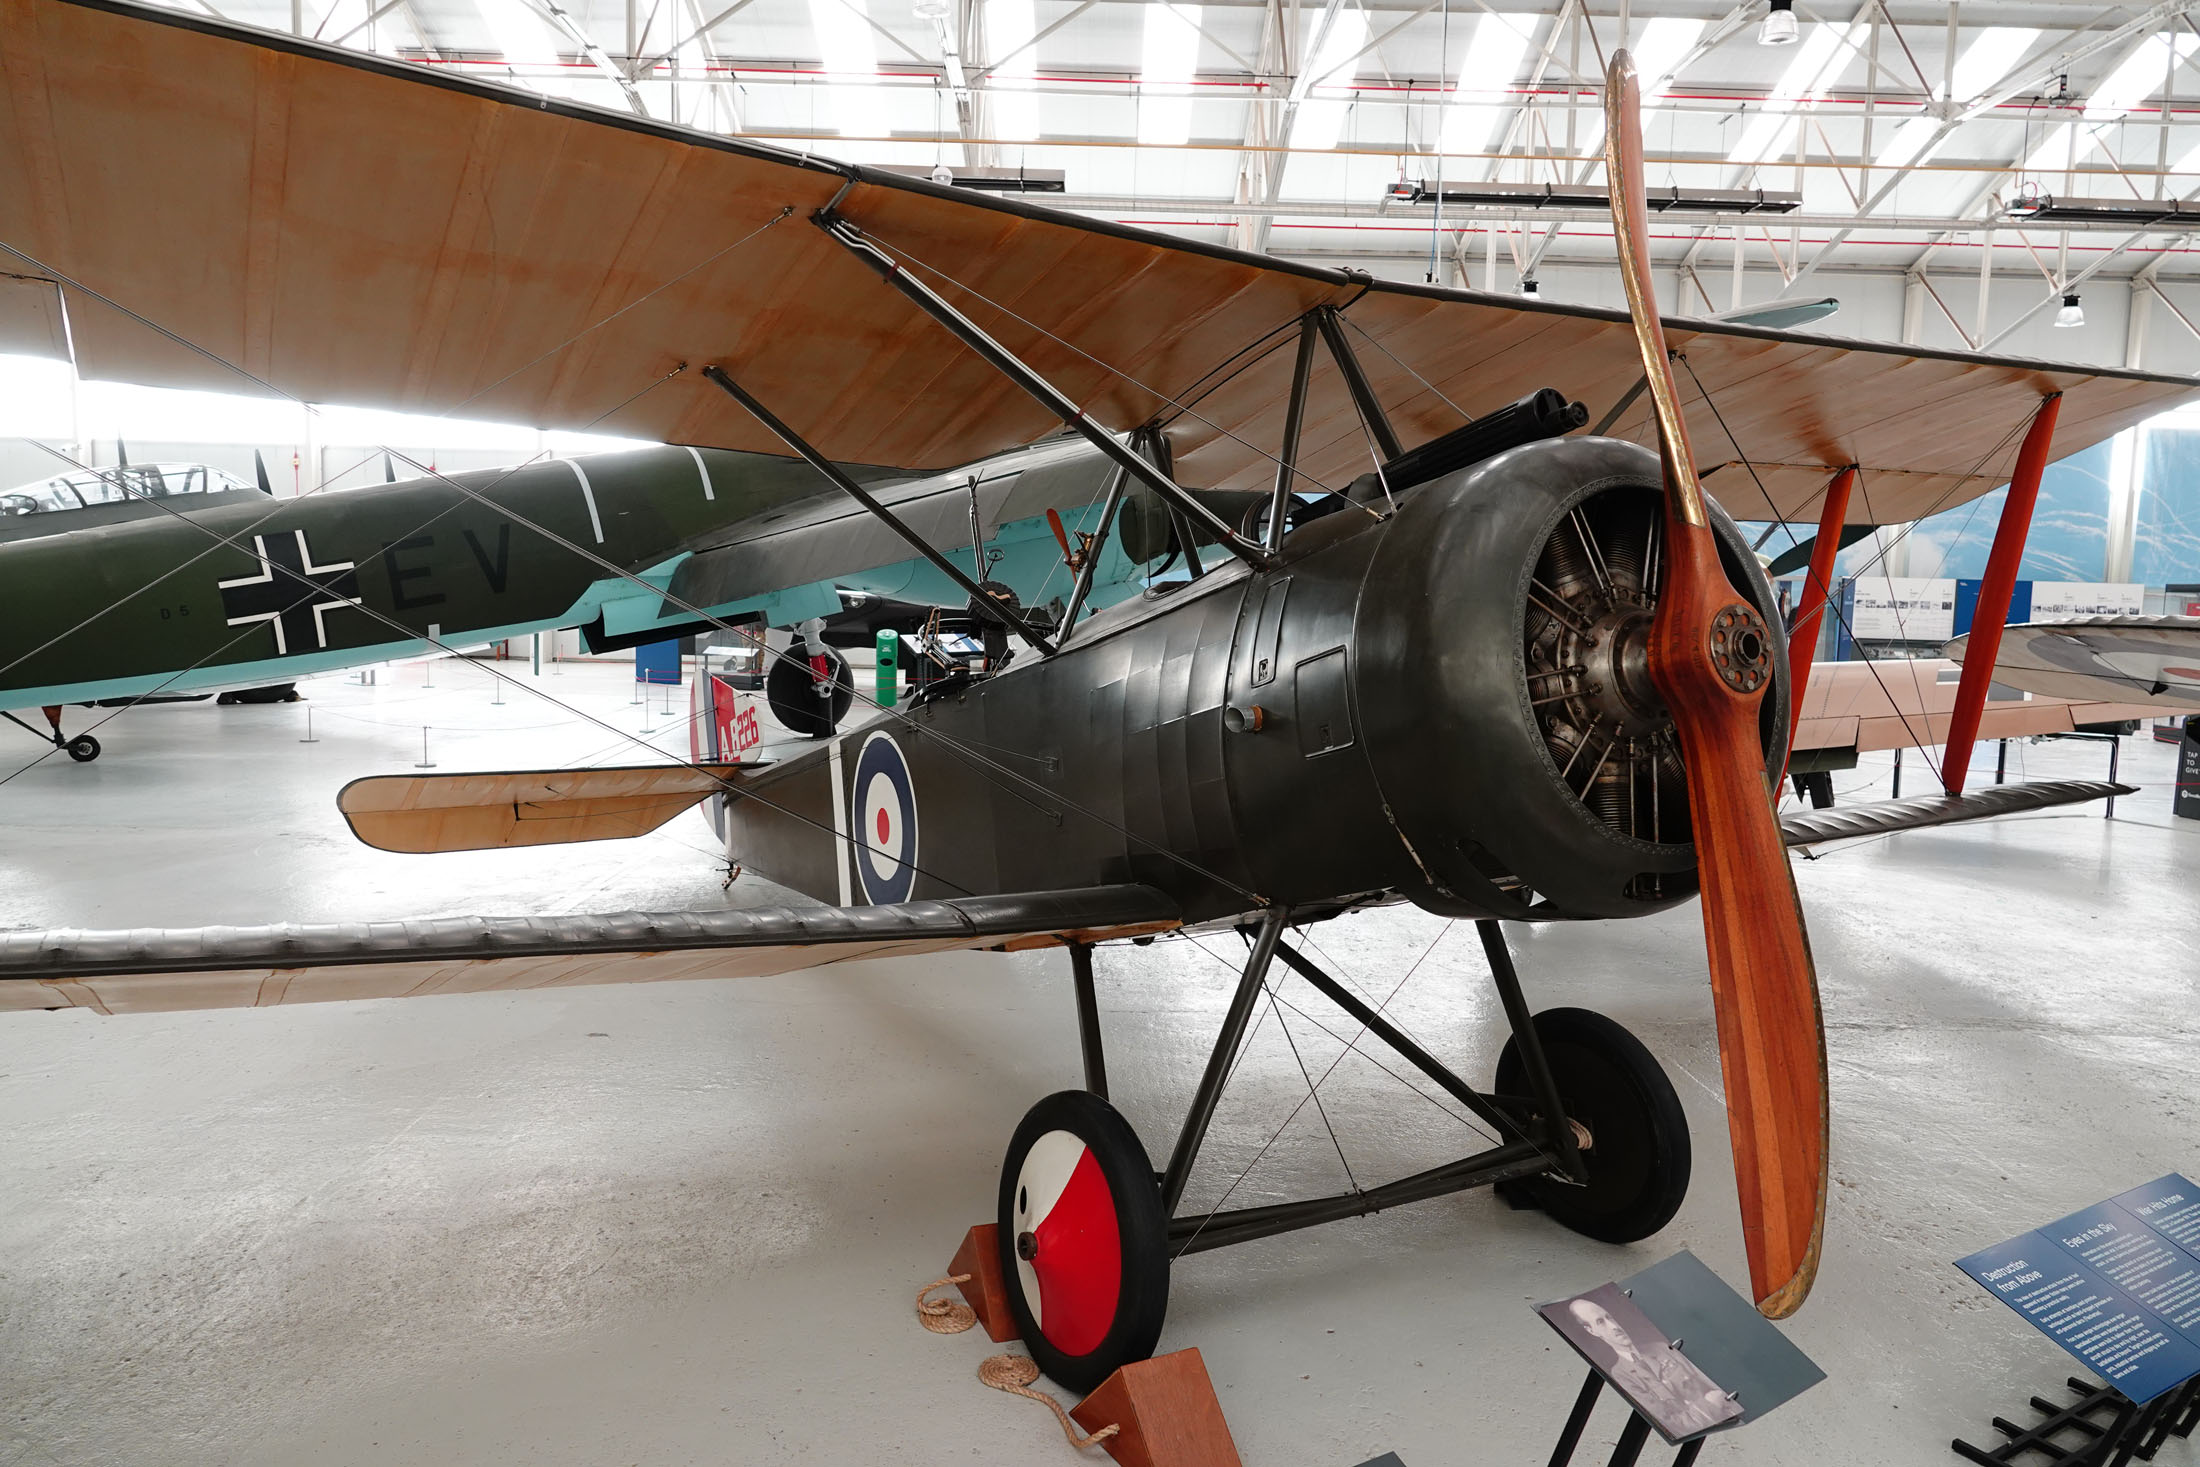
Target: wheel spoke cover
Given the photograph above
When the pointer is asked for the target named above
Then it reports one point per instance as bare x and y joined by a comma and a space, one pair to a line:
1074, 1282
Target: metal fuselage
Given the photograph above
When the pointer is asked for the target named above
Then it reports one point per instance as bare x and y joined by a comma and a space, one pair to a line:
161, 603
1355, 723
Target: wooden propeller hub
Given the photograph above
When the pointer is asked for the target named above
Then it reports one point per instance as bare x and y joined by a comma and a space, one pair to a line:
1741, 648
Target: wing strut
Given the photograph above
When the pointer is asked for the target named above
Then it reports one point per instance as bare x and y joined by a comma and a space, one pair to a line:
1043, 392
981, 600
1994, 592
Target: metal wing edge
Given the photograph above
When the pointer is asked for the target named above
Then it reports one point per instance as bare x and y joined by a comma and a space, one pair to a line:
1886, 817
150, 970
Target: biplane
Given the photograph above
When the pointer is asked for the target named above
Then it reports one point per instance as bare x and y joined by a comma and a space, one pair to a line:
1472, 644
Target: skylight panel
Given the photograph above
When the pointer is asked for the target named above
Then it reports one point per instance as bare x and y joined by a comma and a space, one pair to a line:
2135, 79
1010, 26
1484, 93
845, 42
1168, 59
1984, 62
524, 38
1659, 51
1988, 58
2054, 153
1325, 86
1818, 62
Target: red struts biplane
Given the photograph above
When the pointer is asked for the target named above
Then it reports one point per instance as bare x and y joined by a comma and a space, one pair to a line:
1460, 653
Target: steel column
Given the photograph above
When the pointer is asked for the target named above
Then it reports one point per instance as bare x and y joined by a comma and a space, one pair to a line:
1202, 1109
1538, 1065
1355, 381
1294, 414
1045, 393
979, 599
1817, 598
1088, 1019
1995, 589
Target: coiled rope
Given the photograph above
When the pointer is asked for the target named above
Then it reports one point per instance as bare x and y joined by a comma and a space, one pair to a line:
1011, 1373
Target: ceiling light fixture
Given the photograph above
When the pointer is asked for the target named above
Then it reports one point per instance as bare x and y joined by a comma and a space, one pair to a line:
2071, 314
1779, 25
1529, 287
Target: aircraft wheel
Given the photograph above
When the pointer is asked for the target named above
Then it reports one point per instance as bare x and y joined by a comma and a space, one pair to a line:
83, 748
1639, 1156
791, 691
1084, 1245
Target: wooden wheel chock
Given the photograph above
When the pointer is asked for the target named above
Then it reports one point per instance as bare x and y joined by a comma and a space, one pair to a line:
1165, 1414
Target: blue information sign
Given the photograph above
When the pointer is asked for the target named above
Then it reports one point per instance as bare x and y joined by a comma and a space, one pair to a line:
2116, 1284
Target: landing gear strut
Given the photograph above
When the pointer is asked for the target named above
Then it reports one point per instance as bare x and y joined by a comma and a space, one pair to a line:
1088, 1231
83, 748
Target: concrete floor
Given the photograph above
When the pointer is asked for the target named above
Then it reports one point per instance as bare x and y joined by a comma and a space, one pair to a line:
683, 1223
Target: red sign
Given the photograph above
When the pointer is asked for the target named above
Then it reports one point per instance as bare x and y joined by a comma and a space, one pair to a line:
736, 718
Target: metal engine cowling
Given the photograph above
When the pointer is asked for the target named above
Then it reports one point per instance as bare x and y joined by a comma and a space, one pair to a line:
1522, 750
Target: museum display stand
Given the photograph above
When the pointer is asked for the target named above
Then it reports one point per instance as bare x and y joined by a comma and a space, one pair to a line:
2099, 1427
1632, 1437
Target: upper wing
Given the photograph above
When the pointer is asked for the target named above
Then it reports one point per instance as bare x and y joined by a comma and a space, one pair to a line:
348, 228
2153, 661
151, 970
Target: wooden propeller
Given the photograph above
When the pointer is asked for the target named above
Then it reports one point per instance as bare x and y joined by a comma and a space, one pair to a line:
1712, 659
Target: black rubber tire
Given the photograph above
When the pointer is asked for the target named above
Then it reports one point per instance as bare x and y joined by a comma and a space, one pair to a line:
1142, 1299
790, 690
83, 748
1640, 1159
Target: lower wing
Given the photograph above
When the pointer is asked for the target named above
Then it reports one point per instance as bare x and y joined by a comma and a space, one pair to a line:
154, 970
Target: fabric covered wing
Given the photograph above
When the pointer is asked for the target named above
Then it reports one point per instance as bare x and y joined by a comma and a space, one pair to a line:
1885, 817
420, 814
2153, 661
366, 231
1909, 703
156, 970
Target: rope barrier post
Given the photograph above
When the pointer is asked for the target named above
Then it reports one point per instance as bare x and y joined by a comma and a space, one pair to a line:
425, 761
1994, 592
309, 738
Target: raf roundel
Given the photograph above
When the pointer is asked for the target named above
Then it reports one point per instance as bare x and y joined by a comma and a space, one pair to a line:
886, 821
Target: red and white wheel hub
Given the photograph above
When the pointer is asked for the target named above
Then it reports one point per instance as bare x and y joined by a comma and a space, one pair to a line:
1069, 1250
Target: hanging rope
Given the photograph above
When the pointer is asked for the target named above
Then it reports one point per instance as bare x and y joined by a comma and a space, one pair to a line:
1011, 1373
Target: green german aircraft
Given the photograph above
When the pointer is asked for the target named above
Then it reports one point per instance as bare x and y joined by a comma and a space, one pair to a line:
631, 547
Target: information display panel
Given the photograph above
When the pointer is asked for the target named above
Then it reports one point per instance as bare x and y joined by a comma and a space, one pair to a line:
2116, 1284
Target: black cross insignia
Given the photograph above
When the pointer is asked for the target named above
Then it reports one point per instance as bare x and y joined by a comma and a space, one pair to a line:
297, 598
